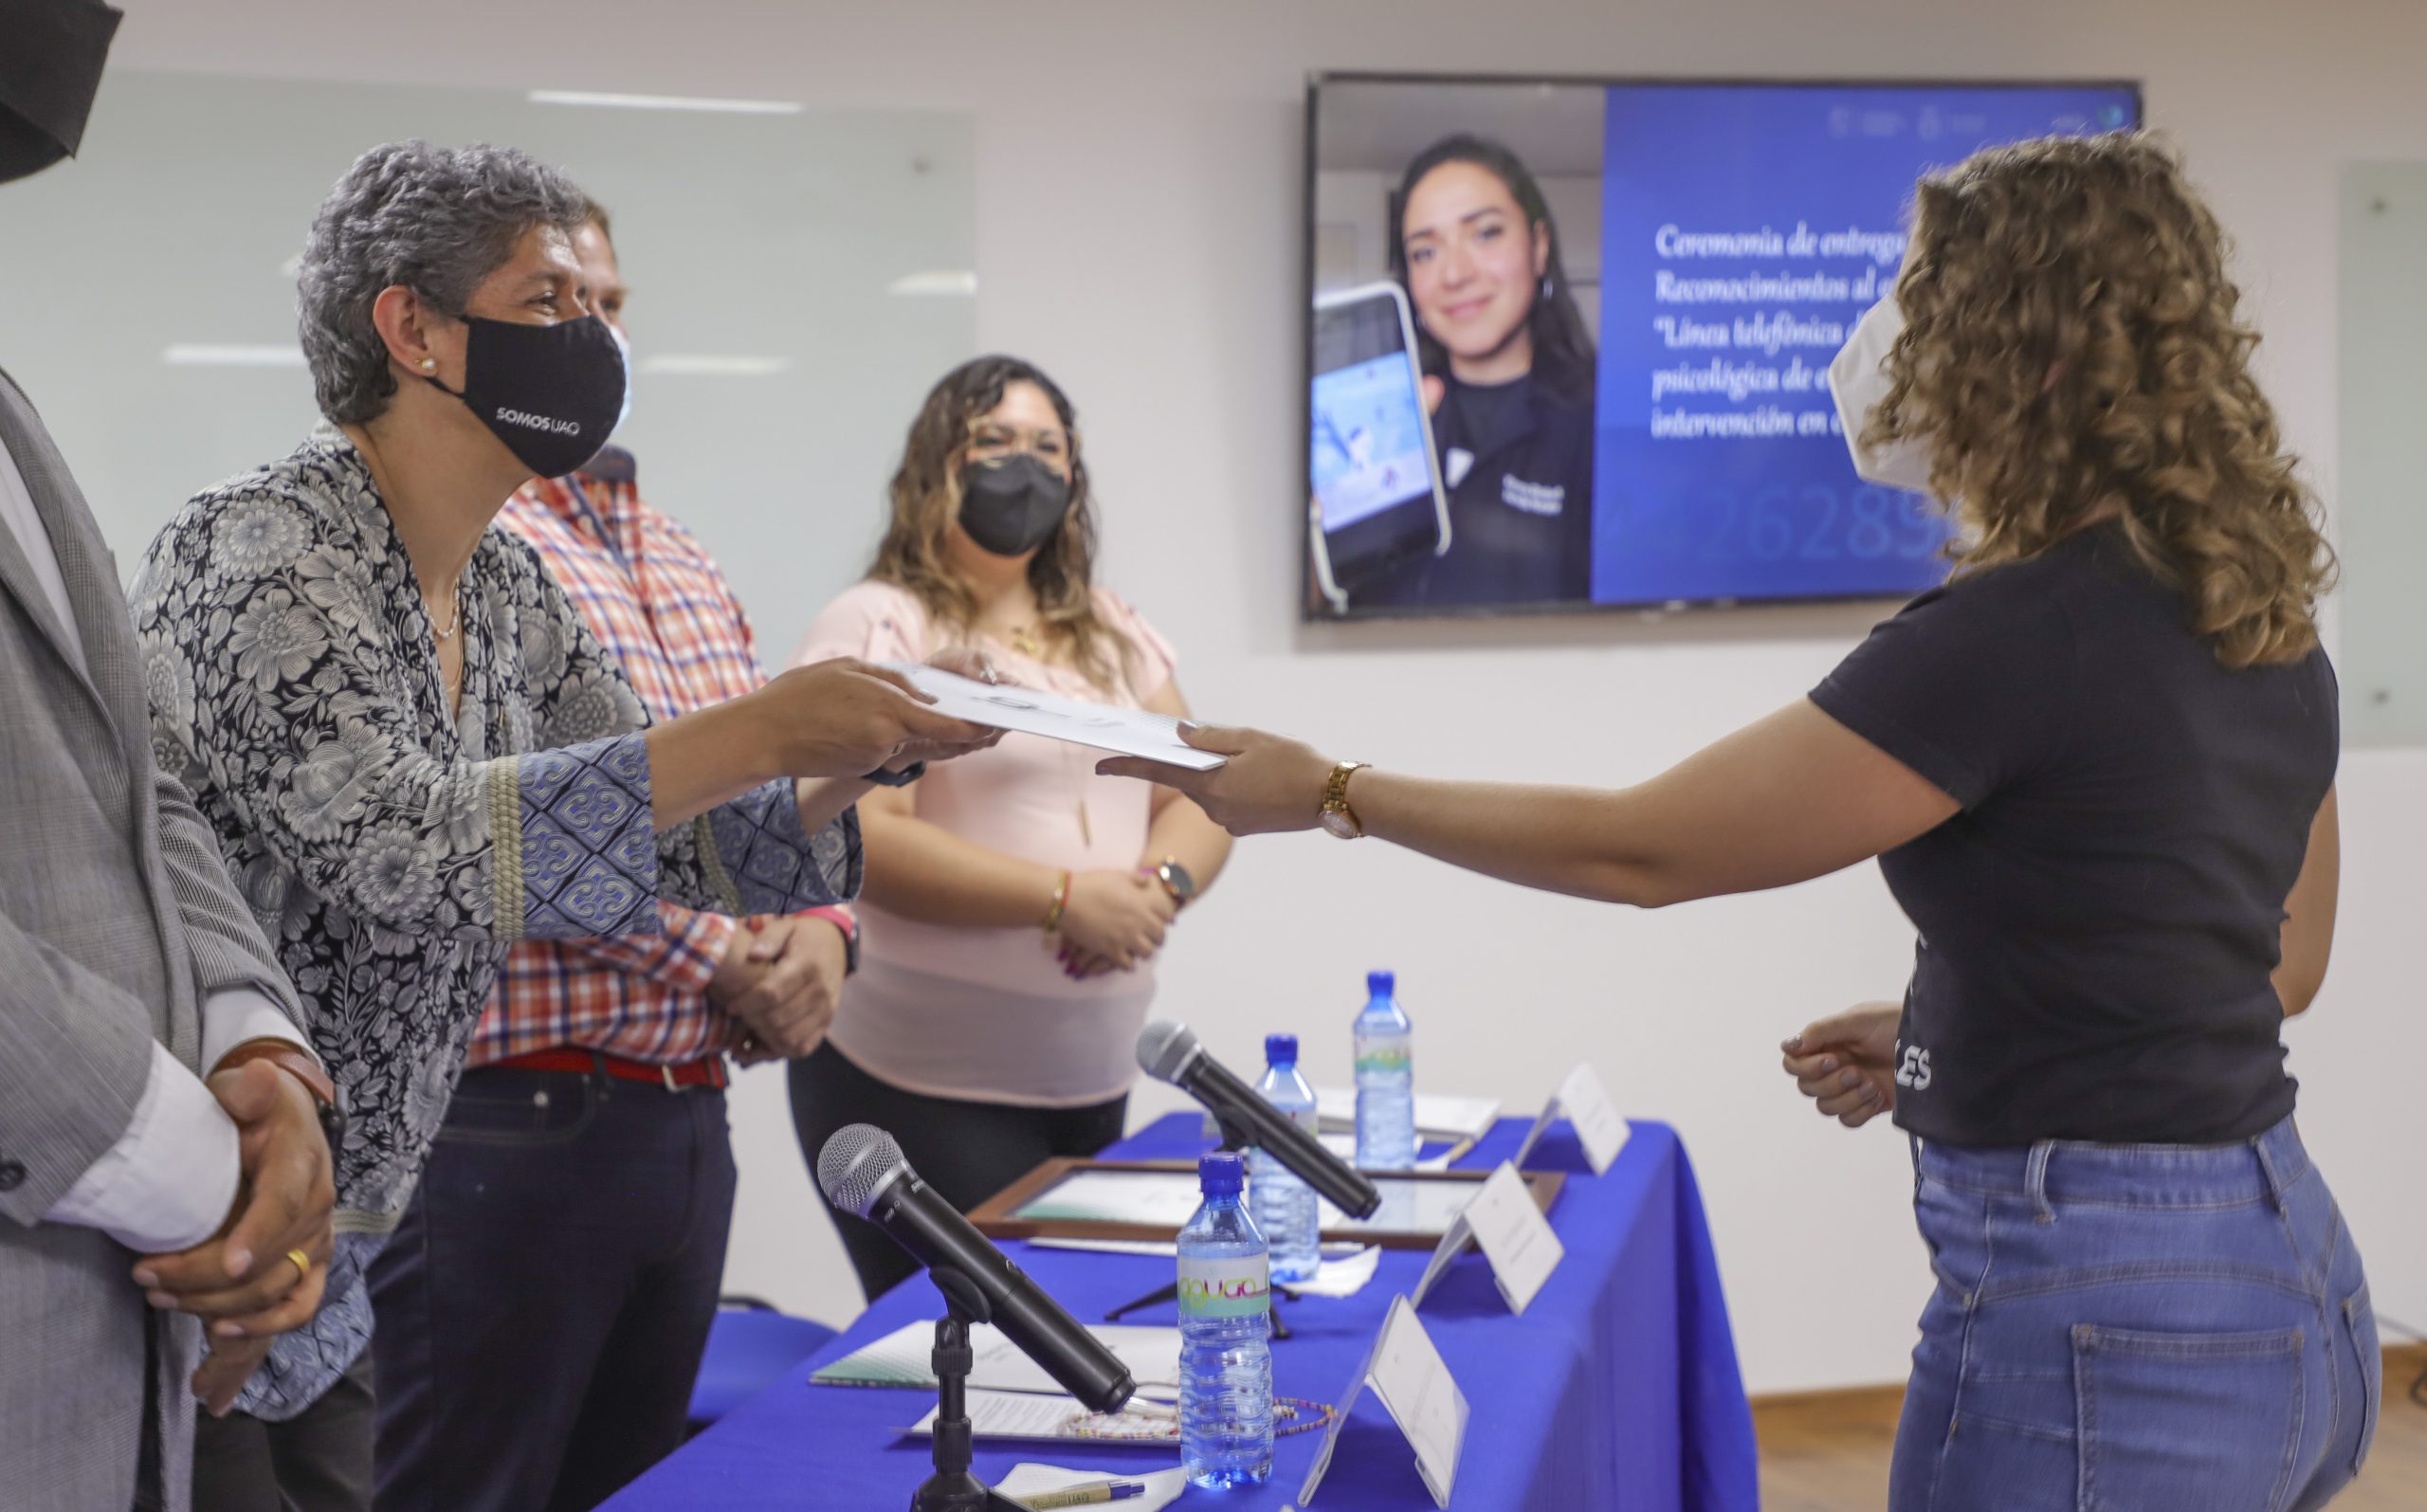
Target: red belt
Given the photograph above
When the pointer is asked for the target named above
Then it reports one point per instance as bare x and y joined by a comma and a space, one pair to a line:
707, 1072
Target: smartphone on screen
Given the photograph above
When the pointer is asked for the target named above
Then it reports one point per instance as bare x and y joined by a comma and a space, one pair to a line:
1374, 481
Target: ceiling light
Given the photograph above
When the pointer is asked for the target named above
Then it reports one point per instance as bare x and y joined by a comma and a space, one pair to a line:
951, 281
201, 355
713, 365
729, 107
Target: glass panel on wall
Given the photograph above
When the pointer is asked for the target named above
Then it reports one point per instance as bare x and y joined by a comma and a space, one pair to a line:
799, 278
2381, 489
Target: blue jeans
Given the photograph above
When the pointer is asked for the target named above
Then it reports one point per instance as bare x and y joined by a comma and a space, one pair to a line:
2136, 1328
544, 1306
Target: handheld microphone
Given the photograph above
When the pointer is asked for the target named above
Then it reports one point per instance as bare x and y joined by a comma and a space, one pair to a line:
862, 1171
1170, 1052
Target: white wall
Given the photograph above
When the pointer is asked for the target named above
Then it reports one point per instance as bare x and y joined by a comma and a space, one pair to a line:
1137, 206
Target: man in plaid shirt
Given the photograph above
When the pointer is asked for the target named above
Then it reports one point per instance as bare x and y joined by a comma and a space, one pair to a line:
543, 1307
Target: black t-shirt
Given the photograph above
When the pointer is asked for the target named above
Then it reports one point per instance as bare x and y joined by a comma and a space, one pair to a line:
2099, 925
1516, 458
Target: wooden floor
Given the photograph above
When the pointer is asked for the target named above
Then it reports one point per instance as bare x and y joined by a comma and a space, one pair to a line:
1828, 1451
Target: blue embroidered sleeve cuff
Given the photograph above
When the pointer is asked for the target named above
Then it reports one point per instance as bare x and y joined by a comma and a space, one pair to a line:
577, 851
774, 866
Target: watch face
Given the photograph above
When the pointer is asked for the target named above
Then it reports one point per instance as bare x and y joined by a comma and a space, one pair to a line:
1338, 823
1177, 880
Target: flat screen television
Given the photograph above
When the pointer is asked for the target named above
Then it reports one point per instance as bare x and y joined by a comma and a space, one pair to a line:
1567, 340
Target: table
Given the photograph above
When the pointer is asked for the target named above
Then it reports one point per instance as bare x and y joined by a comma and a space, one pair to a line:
1617, 1389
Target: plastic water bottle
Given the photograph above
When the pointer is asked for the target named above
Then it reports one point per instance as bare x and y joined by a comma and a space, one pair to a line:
1285, 1206
1385, 1081
1225, 1335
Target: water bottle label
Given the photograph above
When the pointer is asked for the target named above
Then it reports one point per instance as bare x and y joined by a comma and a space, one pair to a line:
1239, 1286
1384, 1055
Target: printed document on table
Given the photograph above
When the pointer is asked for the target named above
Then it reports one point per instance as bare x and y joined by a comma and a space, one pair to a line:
904, 1357
1020, 1414
1032, 711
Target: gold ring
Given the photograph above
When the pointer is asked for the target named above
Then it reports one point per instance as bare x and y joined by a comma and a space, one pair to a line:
303, 1263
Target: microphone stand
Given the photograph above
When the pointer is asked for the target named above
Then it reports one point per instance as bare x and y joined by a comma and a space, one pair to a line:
952, 1488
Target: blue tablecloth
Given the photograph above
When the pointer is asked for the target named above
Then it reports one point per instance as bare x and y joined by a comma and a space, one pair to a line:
1616, 1390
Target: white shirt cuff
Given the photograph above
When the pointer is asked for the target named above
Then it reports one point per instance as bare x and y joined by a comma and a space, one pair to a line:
236, 1014
168, 1183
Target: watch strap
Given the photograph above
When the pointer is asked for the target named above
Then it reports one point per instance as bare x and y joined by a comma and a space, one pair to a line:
1336, 794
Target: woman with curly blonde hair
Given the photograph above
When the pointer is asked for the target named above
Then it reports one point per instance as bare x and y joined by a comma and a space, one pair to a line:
2098, 769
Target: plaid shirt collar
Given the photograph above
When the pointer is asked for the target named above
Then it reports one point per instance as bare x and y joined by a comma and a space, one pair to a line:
602, 499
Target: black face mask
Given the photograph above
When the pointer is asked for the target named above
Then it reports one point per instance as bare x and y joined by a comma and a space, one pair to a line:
1013, 506
48, 74
551, 392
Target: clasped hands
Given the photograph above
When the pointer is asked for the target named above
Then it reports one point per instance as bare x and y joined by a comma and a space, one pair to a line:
1113, 921
244, 1283
781, 979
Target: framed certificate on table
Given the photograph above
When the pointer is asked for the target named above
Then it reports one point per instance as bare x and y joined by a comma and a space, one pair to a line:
1066, 1198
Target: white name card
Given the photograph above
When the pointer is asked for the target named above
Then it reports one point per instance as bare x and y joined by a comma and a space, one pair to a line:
1585, 1103
1515, 1237
1415, 1387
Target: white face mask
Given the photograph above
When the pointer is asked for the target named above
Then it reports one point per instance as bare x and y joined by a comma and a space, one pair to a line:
625, 414
1858, 380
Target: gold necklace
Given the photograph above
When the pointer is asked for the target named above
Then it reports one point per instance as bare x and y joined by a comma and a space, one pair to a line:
454, 621
1086, 831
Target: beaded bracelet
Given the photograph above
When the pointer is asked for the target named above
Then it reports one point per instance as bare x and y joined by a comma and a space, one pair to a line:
1307, 1416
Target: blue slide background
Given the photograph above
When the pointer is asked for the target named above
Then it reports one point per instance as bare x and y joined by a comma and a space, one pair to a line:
1785, 517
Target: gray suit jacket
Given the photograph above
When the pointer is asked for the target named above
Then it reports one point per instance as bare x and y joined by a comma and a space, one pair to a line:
117, 920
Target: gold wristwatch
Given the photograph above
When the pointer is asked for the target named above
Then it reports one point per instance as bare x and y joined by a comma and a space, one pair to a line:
1338, 817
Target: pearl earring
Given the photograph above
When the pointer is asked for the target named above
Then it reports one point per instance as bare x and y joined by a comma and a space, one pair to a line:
428, 364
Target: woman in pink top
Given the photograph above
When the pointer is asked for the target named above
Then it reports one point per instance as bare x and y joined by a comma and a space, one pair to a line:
1015, 900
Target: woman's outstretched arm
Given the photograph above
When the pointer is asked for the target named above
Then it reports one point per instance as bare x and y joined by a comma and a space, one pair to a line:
1793, 797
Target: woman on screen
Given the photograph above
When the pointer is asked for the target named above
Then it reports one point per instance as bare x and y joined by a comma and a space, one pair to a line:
1508, 377
2097, 767
1012, 911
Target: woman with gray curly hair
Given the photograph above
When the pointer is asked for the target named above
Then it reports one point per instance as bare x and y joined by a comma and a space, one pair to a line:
413, 751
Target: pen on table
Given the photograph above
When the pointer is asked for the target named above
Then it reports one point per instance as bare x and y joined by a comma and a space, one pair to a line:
1093, 1494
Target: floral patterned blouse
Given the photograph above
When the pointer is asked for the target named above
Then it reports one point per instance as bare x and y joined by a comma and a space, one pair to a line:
393, 851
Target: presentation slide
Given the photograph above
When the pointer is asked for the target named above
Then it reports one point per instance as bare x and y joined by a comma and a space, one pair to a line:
1624, 298
1744, 231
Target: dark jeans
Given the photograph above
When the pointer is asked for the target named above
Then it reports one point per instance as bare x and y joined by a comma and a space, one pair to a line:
2162, 1328
966, 1151
317, 1461
543, 1307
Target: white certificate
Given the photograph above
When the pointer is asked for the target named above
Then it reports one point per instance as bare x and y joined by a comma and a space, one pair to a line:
1032, 711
